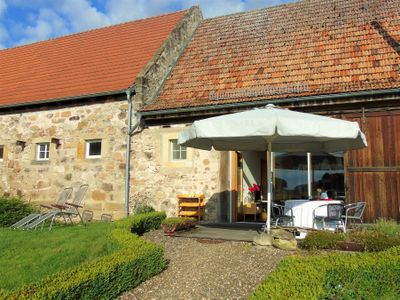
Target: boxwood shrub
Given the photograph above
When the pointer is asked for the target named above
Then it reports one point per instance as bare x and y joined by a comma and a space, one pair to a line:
335, 276
370, 240
322, 239
106, 277
141, 223
13, 209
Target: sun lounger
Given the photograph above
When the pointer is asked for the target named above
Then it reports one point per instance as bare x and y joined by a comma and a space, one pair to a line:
68, 209
62, 199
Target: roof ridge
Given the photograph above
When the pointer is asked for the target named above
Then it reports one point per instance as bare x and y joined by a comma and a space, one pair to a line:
255, 9
92, 30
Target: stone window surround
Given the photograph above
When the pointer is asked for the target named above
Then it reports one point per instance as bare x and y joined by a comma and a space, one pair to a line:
34, 150
81, 149
167, 135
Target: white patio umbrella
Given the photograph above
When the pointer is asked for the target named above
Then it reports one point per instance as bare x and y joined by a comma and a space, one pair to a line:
273, 129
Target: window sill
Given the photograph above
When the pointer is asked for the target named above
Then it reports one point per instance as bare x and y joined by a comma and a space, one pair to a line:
40, 162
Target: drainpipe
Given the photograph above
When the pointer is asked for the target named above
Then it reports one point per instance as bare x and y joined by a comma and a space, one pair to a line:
131, 130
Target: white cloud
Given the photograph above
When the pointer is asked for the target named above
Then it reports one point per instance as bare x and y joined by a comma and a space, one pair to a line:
54, 18
48, 24
81, 15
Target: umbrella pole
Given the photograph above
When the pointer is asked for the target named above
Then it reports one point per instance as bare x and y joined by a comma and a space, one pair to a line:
269, 179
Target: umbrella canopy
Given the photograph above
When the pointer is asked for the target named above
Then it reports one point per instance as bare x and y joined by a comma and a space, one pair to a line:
286, 130
273, 129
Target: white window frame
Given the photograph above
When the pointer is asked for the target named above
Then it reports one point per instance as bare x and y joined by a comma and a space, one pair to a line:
2, 152
180, 151
87, 148
46, 151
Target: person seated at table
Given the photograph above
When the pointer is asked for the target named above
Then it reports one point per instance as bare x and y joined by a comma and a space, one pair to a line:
330, 195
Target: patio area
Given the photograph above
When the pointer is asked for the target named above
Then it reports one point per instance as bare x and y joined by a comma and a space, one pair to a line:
242, 232
208, 269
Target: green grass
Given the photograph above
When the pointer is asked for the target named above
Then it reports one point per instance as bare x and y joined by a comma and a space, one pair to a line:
29, 256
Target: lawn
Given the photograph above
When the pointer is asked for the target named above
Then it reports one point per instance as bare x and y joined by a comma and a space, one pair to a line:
29, 256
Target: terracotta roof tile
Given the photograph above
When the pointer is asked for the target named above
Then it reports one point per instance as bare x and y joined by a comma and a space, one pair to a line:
329, 46
96, 61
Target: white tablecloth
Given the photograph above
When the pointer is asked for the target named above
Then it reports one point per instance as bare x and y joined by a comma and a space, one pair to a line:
303, 211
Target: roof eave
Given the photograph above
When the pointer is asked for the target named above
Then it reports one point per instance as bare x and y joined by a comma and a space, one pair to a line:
154, 113
62, 99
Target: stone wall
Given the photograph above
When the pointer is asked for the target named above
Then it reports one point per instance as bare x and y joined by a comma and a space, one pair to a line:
157, 180
41, 181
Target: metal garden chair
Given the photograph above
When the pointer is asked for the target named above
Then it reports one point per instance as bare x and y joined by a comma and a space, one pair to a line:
26, 221
68, 209
354, 211
332, 218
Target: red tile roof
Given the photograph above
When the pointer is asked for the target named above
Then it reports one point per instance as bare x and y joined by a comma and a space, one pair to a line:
325, 46
96, 61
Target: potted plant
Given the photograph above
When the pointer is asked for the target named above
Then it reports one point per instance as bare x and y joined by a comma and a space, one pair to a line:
255, 192
173, 224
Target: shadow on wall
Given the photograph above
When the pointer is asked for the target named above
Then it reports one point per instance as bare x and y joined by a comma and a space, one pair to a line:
217, 207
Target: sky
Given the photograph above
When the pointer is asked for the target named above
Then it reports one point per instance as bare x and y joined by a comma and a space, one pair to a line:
27, 21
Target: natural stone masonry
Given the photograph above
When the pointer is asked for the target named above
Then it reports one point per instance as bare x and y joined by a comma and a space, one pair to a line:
158, 180
154, 178
41, 181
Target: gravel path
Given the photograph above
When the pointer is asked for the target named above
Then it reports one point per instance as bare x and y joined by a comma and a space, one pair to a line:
201, 269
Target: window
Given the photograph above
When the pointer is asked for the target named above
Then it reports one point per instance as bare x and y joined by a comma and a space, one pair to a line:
93, 149
178, 152
291, 176
1, 152
42, 151
328, 173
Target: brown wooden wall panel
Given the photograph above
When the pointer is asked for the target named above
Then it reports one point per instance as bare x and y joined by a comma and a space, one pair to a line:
373, 174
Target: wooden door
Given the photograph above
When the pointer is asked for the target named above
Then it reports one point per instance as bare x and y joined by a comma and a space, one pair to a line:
373, 174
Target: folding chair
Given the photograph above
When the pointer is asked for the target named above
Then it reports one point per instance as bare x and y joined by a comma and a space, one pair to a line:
67, 209
62, 199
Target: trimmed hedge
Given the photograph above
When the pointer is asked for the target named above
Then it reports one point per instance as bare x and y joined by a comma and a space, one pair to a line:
335, 276
142, 223
106, 277
13, 209
321, 239
370, 240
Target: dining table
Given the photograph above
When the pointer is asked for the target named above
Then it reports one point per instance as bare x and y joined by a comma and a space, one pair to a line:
303, 211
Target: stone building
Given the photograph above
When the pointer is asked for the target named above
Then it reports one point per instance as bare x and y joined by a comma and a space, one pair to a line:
64, 107
336, 58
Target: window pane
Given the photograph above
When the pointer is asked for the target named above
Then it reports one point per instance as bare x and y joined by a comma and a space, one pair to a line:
328, 174
1, 152
95, 148
43, 151
176, 155
175, 146
178, 152
183, 153
291, 176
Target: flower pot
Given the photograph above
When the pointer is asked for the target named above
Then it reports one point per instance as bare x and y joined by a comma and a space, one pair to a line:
263, 216
169, 231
